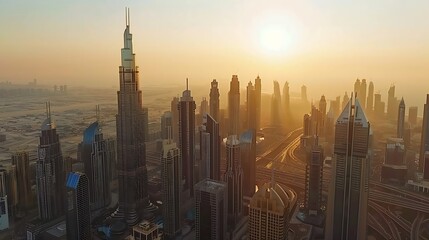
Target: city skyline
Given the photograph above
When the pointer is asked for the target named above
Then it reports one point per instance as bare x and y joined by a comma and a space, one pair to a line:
338, 48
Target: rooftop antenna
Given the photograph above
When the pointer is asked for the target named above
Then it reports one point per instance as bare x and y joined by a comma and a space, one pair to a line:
128, 10
187, 84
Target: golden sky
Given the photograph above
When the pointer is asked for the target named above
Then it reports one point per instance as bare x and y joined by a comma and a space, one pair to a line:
325, 45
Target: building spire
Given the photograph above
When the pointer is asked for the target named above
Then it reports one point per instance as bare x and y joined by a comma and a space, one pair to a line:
187, 86
127, 16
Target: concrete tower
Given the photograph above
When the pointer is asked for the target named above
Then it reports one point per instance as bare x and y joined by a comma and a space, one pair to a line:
401, 120
234, 106
131, 149
348, 193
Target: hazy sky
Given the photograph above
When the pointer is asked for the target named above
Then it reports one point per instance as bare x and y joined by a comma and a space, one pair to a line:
323, 44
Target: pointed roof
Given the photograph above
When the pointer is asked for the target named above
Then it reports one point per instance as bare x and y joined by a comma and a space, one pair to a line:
356, 111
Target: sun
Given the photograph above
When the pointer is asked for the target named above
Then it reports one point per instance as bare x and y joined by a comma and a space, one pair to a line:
274, 39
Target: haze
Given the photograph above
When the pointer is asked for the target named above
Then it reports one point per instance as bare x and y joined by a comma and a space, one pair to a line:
324, 45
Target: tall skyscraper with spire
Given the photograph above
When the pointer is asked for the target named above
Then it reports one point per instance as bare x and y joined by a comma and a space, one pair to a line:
401, 120
214, 100
258, 102
131, 166
234, 106
424, 144
348, 193
187, 139
50, 176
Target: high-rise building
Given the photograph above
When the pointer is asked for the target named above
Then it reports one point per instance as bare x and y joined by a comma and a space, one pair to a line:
251, 106
308, 130
357, 87
394, 168
322, 120
97, 160
50, 174
166, 124
4, 208
131, 149
171, 174
277, 93
270, 211
175, 119
234, 180
187, 138
392, 104
412, 115
379, 106
424, 144
348, 193
370, 98
204, 107
78, 217
401, 120
234, 106
362, 93
258, 102
286, 102
304, 98
210, 148
248, 161
275, 114
211, 210
313, 180
21, 161
345, 100
214, 100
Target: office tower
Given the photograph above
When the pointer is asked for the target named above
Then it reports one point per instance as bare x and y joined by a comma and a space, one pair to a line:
424, 144
4, 208
210, 148
270, 211
78, 217
378, 105
258, 102
204, 107
348, 193
214, 100
304, 94
412, 115
313, 180
275, 114
321, 121
286, 101
21, 161
175, 119
362, 93
131, 149
211, 210
248, 161
401, 120
370, 98
251, 107
308, 130
97, 160
187, 138
277, 93
171, 175
357, 87
234, 180
345, 100
166, 124
391, 103
234, 106
50, 175
394, 169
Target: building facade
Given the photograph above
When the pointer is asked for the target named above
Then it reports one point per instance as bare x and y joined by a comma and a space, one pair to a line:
234, 106
210, 148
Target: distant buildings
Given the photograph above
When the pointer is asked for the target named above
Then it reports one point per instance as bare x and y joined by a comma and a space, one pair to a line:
211, 206
304, 98
78, 215
392, 104
171, 175
214, 100
270, 211
400, 128
258, 102
50, 176
412, 115
286, 103
424, 144
187, 139
234, 106
394, 169
348, 193
276, 105
166, 124
251, 107
370, 99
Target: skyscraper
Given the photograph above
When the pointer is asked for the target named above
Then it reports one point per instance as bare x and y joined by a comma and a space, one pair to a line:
251, 106
391, 103
304, 98
21, 161
204, 107
401, 120
187, 138
362, 93
313, 180
357, 87
258, 102
211, 210
412, 115
97, 160
234, 180
424, 144
214, 100
348, 193
286, 102
370, 99
166, 124
4, 208
379, 106
322, 119
210, 148
248, 161
234, 106
345, 100
50, 175
270, 211
78, 215
171, 174
132, 171
275, 105
175, 119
